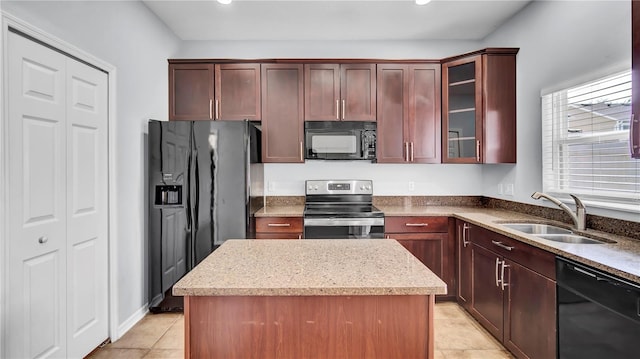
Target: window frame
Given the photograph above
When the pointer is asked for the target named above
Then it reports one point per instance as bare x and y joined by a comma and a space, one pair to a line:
556, 180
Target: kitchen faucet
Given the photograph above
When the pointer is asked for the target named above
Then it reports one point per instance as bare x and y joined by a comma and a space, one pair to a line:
579, 218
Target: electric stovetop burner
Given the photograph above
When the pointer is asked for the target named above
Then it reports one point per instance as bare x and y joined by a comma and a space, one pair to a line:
340, 199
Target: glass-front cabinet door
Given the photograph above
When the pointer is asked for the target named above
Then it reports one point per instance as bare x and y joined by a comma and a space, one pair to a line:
462, 110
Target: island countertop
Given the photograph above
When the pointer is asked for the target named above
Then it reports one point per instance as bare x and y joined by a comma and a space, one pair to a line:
340, 267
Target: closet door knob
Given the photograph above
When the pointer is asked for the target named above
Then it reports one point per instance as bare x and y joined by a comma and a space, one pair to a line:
43, 239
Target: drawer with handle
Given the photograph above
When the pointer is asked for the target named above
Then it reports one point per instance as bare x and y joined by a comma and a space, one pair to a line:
414, 224
534, 258
278, 224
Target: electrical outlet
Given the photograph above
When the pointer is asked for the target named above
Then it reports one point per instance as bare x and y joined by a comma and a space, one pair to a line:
412, 186
509, 189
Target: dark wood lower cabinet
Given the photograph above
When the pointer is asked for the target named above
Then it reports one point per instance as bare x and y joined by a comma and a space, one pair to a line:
512, 291
530, 313
463, 262
314, 327
488, 302
432, 241
279, 228
429, 248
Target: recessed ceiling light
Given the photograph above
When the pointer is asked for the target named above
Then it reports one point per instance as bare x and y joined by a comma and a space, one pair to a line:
419, 2
225, 2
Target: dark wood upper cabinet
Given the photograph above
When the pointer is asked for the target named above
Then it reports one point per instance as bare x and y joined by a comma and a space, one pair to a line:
393, 112
282, 113
408, 111
340, 92
479, 107
237, 92
635, 79
322, 92
191, 88
358, 92
204, 91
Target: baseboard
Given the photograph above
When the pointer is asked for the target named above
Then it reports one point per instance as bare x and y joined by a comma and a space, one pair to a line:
131, 321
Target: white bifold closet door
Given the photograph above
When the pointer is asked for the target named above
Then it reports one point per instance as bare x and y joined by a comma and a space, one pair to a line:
57, 290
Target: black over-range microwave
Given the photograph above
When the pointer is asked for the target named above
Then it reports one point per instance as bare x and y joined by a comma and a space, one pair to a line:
340, 140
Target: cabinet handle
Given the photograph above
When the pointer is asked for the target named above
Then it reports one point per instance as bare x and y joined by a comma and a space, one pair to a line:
344, 104
217, 110
635, 147
279, 225
406, 151
210, 109
301, 152
497, 272
417, 224
411, 151
502, 245
478, 150
338, 110
43, 239
465, 228
503, 283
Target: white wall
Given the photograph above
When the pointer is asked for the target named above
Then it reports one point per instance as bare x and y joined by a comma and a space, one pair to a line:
128, 36
325, 49
559, 41
388, 179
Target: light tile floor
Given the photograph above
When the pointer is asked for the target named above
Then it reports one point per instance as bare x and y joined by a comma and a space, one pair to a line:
156, 336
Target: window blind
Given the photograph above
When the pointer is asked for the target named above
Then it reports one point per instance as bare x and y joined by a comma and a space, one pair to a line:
585, 141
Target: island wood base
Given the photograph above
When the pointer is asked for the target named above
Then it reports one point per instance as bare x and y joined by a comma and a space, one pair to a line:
309, 327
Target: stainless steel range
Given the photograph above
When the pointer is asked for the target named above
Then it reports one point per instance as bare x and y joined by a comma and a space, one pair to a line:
339, 209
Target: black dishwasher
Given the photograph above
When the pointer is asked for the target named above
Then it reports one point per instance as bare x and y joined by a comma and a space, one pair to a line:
598, 313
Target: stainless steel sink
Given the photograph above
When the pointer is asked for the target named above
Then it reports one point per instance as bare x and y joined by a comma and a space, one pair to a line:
552, 233
569, 238
537, 228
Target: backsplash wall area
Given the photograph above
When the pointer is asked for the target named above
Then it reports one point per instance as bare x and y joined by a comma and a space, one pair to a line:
388, 179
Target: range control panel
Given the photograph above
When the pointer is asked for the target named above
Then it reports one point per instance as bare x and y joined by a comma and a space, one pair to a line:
338, 187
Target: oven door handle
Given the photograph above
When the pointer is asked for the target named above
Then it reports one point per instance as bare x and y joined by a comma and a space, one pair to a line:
333, 222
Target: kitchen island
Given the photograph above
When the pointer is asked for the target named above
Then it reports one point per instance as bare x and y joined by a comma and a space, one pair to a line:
309, 299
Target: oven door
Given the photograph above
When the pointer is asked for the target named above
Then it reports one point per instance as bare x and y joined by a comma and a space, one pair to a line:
343, 228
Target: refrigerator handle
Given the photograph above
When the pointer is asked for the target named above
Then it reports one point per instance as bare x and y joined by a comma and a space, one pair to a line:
247, 169
196, 193
191, 226
187, 184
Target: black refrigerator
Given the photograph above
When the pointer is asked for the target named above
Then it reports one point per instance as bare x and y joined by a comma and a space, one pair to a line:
205, 181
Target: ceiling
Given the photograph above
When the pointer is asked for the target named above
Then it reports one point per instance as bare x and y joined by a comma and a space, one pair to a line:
334, 20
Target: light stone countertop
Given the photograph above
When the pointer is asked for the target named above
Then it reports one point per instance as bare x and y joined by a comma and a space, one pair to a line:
621, 258
310, 268
294, 210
